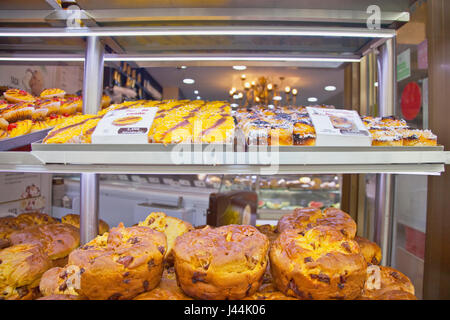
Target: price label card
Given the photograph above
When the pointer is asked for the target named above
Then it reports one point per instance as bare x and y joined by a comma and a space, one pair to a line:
125, 126
336, 127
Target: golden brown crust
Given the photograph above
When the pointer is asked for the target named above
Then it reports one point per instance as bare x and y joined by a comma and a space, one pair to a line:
21, 268
381, 279
395, 295
74, 220
60, 297
172, 227
9, 225
49, 281
305, 218
58, 239
269, 292
167, 289
221, 263
34, 219
60, 281
370, 250
319, 264
129, 263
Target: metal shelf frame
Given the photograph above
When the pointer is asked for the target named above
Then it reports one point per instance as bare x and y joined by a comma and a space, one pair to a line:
91, 160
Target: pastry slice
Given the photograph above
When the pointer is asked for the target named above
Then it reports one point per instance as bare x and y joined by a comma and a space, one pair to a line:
304, 133
174, 129
418, 137
3, 124
17, 96
52, 93
70, 131
18, 112
3, 134
19, 128
71, 106
281, 135
217, 128
39, 125
386, 138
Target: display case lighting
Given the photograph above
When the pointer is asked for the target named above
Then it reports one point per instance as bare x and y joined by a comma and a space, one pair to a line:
230, 58
45, 59
188, 81
116, 58
174, 31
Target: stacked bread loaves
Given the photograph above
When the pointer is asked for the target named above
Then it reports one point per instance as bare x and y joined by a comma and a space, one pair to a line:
310, 255
318, 256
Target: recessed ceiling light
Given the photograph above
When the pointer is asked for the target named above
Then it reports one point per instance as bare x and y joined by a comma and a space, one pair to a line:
330, 88
312, 99
183, 67
277, 98
195, 91
188, 81
239, 67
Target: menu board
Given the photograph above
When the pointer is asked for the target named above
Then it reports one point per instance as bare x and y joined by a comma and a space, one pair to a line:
335, 127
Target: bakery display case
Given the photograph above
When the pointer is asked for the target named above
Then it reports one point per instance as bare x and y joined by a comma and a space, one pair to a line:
260, 153
281, 194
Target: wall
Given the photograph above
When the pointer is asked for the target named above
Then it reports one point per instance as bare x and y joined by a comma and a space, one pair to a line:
35, 78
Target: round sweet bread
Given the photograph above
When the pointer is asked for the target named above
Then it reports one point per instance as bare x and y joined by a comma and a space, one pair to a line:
305, 218
318, 264
221, 263
58, 239
370, 250
167, 289
7, 226
128, 263
382, 279
25, 220
74, 220
21, 268
60, 281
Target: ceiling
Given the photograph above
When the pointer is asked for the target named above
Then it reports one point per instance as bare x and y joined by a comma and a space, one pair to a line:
214, 83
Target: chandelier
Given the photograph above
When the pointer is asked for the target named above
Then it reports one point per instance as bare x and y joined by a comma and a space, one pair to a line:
263, 91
